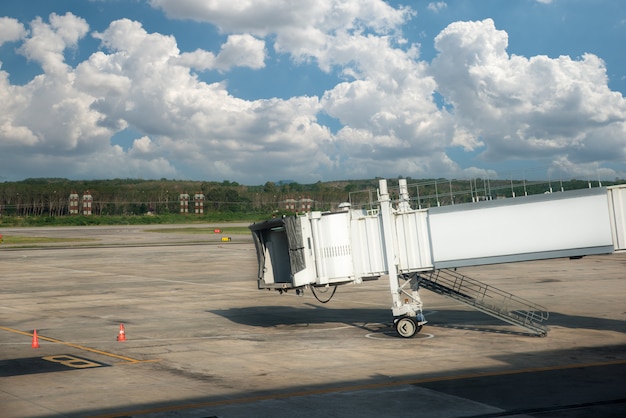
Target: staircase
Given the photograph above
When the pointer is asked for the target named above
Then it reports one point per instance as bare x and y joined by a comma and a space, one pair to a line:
488, 299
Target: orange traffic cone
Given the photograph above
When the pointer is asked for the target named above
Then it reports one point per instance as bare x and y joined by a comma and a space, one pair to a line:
122, 335
35, 343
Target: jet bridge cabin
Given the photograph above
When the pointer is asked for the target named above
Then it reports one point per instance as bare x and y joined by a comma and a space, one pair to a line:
281, 253
315, 250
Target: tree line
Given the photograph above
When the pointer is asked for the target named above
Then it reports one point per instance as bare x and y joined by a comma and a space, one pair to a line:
50, 196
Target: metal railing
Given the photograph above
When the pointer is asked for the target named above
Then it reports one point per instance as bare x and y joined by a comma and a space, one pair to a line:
444, 192
485, 298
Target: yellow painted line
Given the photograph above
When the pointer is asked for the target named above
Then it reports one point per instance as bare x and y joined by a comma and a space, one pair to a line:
127, 360
352, 388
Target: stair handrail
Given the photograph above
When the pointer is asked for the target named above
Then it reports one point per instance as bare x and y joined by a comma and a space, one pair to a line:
486, 298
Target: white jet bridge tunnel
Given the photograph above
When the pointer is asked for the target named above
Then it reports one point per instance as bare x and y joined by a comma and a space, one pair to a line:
419, 248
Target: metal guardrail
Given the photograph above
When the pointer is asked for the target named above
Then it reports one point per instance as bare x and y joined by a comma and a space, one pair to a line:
445, 192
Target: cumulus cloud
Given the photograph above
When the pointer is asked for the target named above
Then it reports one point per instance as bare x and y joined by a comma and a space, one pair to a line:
144, 81
49, 115
238, 51
539, 107
48, 41
11, 30
265, 17
241, 51
395, 113
304, 30
143, 147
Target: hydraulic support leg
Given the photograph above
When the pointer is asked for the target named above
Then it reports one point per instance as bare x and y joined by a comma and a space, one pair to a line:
407, 304
412, 319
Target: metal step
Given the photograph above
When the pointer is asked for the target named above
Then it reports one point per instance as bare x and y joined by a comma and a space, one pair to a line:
488, 299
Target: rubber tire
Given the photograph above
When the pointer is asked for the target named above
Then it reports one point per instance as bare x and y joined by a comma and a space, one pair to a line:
407, 327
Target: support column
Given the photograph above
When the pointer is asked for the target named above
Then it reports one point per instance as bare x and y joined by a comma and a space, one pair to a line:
388, 240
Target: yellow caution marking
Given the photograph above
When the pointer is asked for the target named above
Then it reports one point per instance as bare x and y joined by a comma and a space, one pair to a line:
126, 359
72, 362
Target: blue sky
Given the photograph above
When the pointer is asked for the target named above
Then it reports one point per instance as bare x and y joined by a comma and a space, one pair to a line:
331, 90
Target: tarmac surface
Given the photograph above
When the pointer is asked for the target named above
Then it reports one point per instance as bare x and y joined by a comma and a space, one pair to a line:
202, 341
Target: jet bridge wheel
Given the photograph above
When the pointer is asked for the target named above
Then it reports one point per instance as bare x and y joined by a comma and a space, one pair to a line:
407, 326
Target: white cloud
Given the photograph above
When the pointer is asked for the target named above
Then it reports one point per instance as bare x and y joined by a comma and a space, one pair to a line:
12, 133
517, 107
49, 115
200, 126
113, 162
238, 51
241, 51
199, 59
388, 105
11, 30
263, 17
438, 6
130, 37
504, 106
143, 147
198, 120
302, 29
48, 41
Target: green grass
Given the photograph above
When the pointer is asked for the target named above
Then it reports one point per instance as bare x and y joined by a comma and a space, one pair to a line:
18, 240
21, 240
93, 220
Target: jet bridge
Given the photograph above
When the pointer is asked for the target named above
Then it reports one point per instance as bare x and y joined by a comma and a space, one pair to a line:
418, 247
